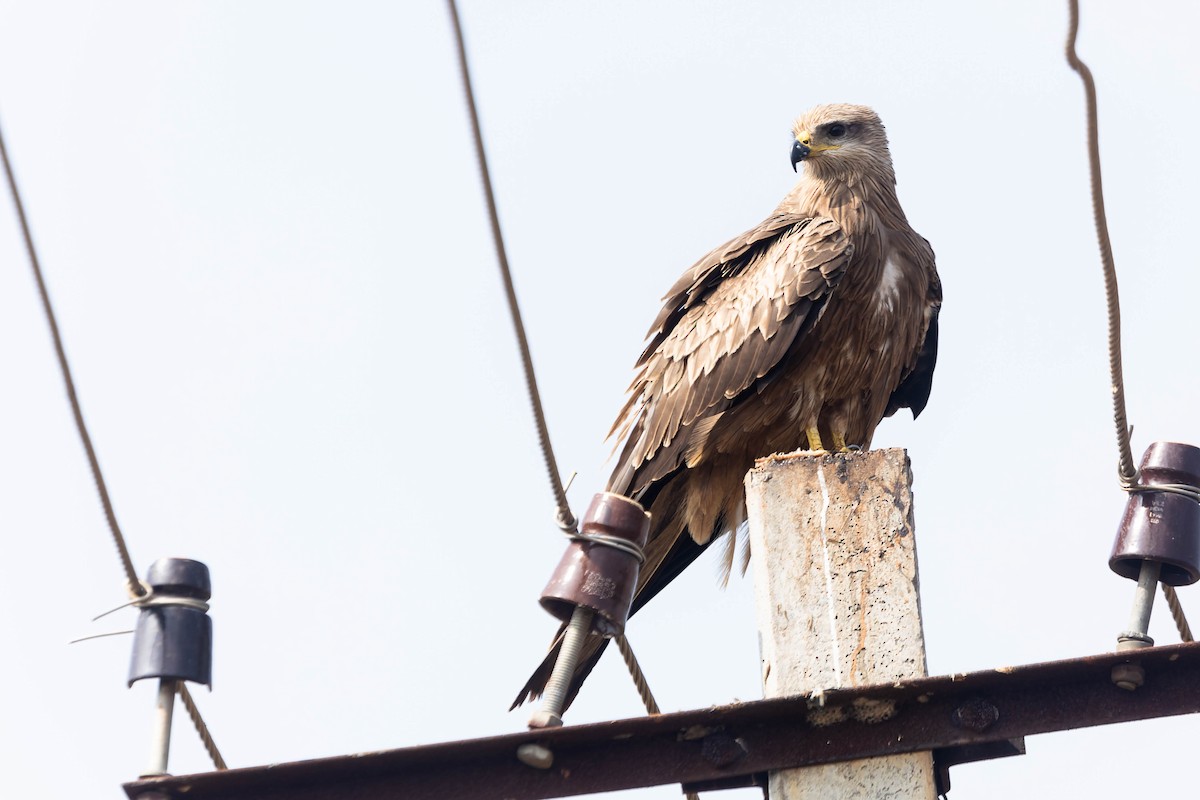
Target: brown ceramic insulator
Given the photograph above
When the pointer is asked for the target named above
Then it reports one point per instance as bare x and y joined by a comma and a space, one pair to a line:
598, 576
1162, 526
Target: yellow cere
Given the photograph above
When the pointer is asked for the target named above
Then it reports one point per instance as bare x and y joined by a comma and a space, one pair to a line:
805, 138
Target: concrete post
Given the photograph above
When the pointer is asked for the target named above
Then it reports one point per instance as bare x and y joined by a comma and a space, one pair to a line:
835, 577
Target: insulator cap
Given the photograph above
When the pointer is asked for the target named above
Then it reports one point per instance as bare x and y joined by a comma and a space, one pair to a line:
1162, 526
598, 576
181, 577
174, 640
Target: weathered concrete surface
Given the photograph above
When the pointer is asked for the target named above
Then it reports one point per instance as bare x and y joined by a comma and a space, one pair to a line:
836, 588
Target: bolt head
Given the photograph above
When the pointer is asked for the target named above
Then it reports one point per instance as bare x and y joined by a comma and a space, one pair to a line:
975, 715
1128, 676
720, 749
536, 756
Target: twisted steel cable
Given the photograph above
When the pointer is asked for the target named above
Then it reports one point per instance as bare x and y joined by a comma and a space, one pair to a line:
135, 587
635, 672
205, 736
1185, 630
643, 688
1127, 472
566, 520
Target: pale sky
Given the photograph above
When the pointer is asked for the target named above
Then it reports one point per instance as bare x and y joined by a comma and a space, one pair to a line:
263, 230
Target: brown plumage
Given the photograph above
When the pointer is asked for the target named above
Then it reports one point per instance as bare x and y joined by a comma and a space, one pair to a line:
804, 331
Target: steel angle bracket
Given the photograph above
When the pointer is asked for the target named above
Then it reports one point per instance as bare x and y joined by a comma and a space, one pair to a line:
961, 716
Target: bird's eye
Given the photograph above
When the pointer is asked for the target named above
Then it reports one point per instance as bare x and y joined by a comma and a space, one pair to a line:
836, 131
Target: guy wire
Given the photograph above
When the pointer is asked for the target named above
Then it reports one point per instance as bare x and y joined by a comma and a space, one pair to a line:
1126, 470
135, 587
1127, 473
566, 520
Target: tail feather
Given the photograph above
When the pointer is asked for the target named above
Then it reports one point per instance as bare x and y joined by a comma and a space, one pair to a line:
589, 656
735, 546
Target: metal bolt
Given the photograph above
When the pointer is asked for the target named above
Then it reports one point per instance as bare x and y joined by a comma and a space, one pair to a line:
1143, 603
1128, 676
550, 714
160, 745
721, 749
975, 715
536, 756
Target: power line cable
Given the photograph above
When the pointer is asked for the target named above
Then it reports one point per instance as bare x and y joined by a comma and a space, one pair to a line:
1125, 468
566, 520
1126, 471
1185, 630
135, 587
198, 722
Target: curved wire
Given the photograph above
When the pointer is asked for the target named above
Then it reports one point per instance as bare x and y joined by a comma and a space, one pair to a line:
1126, 471
135, 587
1125, 468
566, 520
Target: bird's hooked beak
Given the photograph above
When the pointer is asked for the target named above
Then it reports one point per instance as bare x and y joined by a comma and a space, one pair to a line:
800, 151
804, 148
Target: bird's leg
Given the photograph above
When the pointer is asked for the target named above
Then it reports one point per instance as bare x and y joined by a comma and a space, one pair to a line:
814, 439
838, 420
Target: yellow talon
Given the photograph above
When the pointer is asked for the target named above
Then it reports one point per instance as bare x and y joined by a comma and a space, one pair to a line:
814, 439
839, 442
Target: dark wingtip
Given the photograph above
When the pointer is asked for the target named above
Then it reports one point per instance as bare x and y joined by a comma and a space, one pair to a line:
913, 392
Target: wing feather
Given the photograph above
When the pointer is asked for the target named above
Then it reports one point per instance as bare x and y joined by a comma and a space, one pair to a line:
917, 381
725, 325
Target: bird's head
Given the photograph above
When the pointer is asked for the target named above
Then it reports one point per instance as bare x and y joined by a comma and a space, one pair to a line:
840, 138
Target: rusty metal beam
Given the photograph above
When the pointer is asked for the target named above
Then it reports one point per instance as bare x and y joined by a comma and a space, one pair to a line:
724, 744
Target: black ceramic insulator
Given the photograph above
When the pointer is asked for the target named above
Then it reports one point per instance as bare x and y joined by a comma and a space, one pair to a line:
1162, 526
598, 576
174, 641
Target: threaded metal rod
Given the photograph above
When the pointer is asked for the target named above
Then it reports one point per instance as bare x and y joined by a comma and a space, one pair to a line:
550, 714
